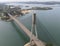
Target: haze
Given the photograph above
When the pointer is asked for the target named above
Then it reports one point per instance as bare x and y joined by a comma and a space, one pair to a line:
26, 0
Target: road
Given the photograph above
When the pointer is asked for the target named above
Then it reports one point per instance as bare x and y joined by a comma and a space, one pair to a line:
36, 40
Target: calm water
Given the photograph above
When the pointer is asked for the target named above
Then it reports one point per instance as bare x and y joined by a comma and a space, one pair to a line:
48, 26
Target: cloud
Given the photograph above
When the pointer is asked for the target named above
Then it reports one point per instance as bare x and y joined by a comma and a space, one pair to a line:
25, 0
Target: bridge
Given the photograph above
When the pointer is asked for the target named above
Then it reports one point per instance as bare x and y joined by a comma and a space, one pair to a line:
27, 31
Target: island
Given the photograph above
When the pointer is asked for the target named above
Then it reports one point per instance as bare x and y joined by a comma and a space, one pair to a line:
40, 8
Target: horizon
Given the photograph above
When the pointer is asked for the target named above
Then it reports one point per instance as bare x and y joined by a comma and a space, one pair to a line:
2, 1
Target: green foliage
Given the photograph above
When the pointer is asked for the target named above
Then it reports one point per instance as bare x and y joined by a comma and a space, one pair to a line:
49, 44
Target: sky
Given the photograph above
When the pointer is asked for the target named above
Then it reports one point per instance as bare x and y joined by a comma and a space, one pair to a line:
26, 0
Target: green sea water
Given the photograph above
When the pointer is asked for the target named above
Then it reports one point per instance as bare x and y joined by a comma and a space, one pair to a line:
48, 27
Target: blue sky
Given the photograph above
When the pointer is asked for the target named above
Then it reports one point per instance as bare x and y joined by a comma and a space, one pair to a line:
25, 0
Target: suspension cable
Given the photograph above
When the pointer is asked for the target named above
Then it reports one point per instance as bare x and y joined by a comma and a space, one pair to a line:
33, 28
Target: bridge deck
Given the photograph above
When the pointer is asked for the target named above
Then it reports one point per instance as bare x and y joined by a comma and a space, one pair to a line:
36, 40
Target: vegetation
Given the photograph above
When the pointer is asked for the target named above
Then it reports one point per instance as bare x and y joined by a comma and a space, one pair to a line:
41, 8
49, 44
